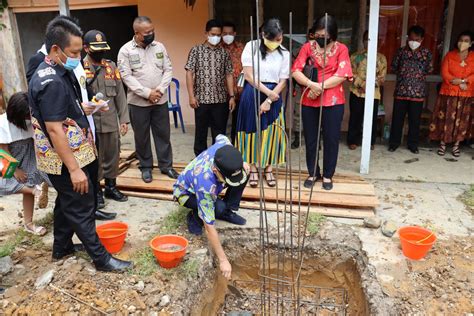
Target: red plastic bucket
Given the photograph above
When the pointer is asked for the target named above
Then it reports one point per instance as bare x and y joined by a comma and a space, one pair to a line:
416, 241
169, 250
112, 235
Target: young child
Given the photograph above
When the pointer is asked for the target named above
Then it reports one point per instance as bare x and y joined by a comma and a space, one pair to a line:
16, 138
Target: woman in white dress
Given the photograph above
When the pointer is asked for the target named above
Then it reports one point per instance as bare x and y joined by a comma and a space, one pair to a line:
16, 138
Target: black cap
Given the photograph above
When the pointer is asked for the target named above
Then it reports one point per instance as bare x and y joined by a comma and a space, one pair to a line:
228, 160
96, 41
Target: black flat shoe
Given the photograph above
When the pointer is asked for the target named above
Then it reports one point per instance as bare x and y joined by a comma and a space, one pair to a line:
103, 216
392, 148
308, 183
414, 150
171, 173
115, 265
147, 176
327, 185
74, 249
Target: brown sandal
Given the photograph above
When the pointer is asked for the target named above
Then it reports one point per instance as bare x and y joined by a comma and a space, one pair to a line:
456, 151
271, 181
442, 150
252, 181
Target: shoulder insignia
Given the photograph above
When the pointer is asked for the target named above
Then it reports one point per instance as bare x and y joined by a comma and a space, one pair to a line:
46, 72
159, 55
117, 74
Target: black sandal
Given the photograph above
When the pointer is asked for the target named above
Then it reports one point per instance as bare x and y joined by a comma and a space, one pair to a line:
442, 150
272, 181
456, 151
253, 182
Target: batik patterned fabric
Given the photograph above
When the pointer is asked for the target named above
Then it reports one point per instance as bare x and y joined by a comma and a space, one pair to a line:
359, 69
235, 51
452, 119
198, 179
411, 68
210, 66
80, 141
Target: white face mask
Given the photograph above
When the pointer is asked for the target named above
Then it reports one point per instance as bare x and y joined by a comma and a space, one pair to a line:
214, 40
228, 39
414, 45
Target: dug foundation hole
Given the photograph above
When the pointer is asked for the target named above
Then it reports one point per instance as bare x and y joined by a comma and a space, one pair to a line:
330, 284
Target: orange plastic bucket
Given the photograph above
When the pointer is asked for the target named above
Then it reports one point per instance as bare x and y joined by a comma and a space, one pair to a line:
416, 241
112, 235
169, 250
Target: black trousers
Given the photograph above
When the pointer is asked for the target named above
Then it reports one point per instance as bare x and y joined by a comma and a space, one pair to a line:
331, 130
356, 120
230, 202
74, 213
400, 109
209, 115
156, 118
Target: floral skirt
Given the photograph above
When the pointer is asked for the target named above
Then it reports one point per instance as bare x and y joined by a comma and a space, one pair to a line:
452, 119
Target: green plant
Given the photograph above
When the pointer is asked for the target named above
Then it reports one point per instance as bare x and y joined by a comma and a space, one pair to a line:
315, 221
171, 223
144, 263
21, 237
47, 221
468, 198
3, 6
189, 269
9, 245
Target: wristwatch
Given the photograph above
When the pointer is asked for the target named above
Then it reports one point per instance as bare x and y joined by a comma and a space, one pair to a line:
269, 101
231, 96
463, 81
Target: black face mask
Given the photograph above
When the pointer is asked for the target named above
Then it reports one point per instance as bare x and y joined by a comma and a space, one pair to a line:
320, 41
97, 56
148, 39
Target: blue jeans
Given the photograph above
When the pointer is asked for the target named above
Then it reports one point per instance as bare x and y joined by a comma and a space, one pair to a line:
230, 202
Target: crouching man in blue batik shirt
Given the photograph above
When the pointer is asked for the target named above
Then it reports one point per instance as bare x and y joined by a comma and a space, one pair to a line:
199, 185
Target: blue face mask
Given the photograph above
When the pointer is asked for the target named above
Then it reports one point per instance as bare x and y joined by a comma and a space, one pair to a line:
71, 63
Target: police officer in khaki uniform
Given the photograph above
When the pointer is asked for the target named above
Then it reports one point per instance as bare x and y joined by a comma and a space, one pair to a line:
146, 70
104, 77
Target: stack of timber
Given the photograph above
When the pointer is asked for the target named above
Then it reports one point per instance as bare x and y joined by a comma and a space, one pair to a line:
352, 196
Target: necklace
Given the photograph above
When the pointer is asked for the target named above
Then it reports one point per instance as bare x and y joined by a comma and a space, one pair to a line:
463, 63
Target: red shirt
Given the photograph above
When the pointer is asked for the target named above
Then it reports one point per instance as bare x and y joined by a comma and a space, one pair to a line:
338, 64
453, 67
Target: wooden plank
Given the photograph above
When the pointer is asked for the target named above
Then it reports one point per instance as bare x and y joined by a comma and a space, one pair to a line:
323, 198
179, 166
326, 211
363, 188
127, 154
331, 212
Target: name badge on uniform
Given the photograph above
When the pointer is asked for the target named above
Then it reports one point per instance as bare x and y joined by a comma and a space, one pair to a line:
134, 59
159, 55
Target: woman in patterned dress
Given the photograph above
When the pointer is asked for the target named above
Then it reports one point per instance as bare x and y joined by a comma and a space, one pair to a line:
16, 138
334, 71
452, 115
273, 61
